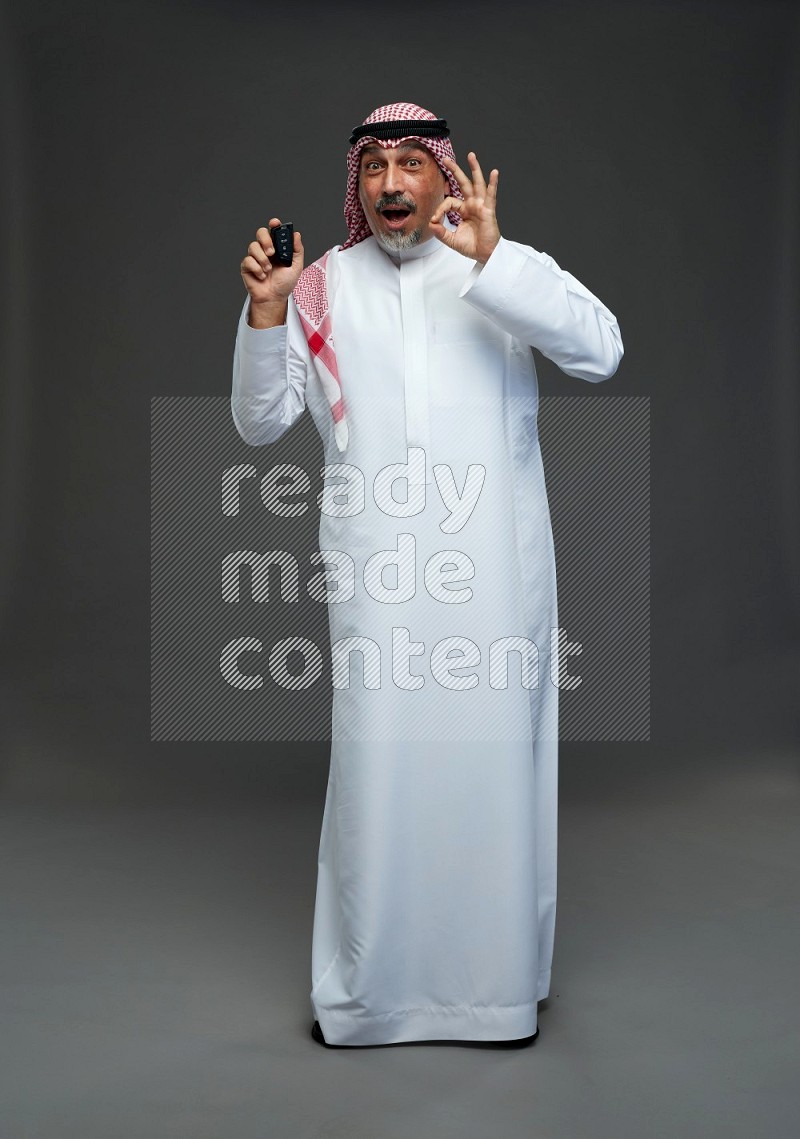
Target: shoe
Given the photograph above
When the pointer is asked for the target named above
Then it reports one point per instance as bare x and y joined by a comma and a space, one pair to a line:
317, 1034
523, 1042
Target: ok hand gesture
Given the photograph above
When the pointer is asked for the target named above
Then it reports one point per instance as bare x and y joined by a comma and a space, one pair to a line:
478, 234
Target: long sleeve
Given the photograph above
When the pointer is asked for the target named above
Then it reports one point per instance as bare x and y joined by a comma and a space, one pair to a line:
269, 381
528, 295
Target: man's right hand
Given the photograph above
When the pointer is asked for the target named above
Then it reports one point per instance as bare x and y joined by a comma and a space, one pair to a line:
269, 285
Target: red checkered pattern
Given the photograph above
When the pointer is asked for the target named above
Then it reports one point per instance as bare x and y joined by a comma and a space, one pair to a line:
311, 294
311, 300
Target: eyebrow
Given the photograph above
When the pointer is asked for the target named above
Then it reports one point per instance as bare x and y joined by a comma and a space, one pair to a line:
373, 148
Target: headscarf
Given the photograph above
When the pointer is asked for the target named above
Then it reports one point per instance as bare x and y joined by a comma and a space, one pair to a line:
357, 225
310, 294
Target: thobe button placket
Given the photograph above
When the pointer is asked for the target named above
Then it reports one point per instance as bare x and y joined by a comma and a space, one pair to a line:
415, 354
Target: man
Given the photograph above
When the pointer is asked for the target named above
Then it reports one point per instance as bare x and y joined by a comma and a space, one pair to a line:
411, 346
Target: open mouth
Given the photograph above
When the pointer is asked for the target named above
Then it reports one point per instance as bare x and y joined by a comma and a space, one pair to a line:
395, 218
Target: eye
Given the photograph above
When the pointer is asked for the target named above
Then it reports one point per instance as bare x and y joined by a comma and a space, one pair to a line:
413, 161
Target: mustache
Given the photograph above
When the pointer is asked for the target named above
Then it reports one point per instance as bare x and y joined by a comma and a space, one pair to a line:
393, 201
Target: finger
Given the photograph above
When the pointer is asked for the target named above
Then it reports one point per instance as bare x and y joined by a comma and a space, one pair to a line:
297, 251
456, 204
264, 240
478, 180
253, 268
491, 189
438, 230
263, 235
259, 253
464, 184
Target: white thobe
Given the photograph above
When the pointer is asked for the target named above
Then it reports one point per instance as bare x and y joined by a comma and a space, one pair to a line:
436, 887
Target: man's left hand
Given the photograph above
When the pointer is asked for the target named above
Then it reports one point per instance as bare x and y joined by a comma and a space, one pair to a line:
477, 235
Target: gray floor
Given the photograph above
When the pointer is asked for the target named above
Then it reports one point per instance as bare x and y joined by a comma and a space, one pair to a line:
156, 960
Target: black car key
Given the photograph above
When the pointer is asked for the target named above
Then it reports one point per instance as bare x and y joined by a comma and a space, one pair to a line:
283, 240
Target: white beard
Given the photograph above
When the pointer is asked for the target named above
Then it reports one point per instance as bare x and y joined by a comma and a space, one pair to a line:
394, 242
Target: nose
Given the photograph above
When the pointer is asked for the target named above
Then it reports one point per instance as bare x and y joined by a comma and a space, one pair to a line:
392, 180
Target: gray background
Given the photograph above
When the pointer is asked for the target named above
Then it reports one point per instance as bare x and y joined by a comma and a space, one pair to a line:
159, 895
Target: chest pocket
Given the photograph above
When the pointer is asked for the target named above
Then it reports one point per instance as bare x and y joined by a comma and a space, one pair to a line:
467, 361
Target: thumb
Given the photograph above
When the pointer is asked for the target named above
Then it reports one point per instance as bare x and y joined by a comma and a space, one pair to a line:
438, 230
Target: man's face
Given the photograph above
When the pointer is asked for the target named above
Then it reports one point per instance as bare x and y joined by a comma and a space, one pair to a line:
399, 187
